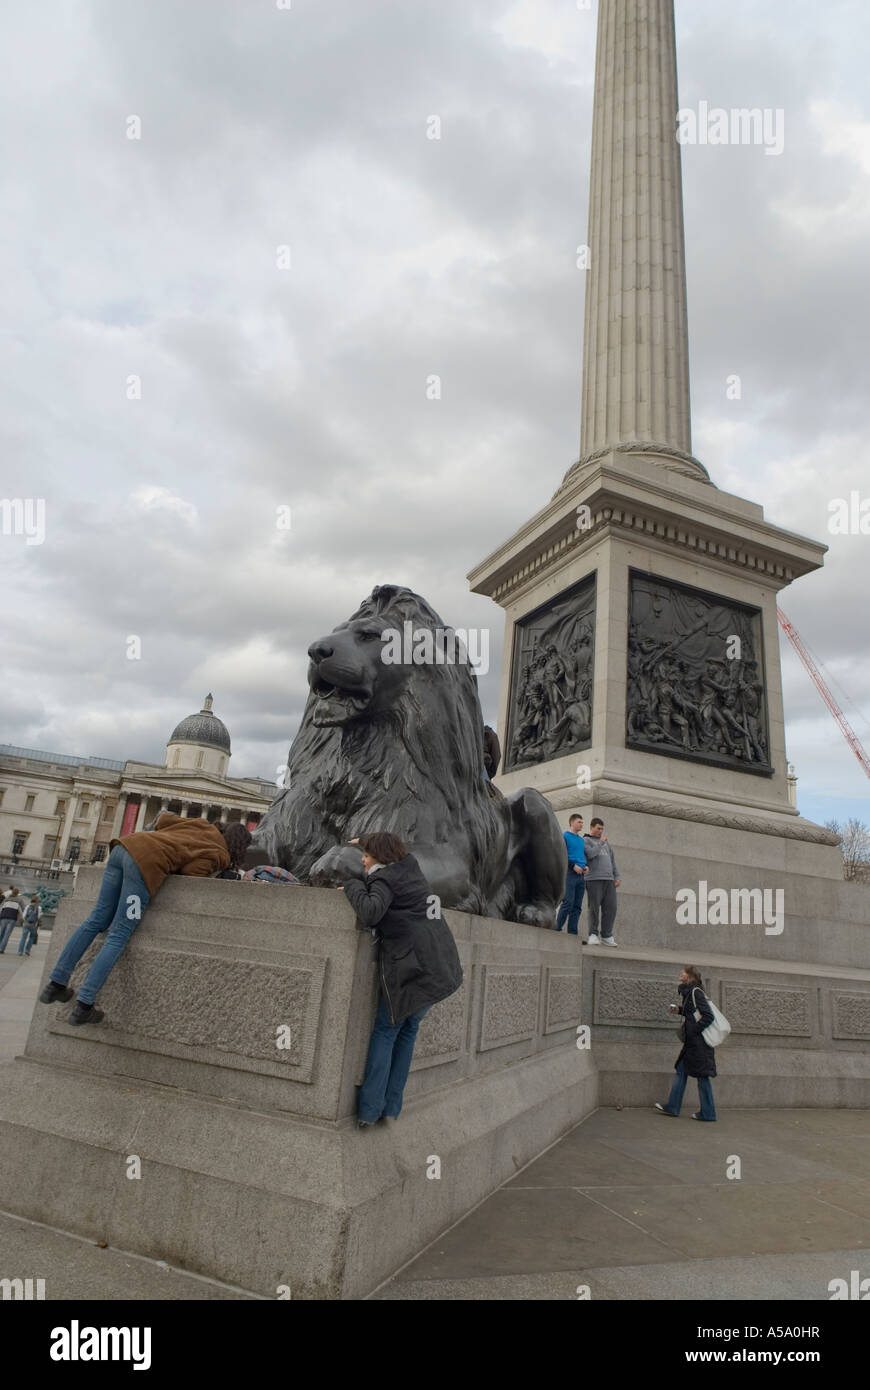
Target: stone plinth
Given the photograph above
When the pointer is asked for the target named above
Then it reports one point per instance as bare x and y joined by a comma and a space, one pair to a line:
236, 1030
640, 520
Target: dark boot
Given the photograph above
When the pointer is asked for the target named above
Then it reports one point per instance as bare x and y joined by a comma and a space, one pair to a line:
54, 991
84, 1013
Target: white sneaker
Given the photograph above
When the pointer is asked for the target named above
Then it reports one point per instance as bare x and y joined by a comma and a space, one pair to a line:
594, 940
607, 941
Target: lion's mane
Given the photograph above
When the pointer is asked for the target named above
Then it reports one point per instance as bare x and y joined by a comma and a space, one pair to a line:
415, 770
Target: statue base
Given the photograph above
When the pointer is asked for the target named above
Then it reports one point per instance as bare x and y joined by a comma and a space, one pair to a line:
209, 1121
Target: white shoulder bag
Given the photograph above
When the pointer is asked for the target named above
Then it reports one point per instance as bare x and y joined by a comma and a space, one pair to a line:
716, 1032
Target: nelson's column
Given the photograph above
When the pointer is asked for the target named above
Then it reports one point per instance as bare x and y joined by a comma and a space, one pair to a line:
641, 678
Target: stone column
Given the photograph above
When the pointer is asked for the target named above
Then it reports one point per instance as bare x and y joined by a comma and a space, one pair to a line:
635, 345
119, 817
63, 838
143, 809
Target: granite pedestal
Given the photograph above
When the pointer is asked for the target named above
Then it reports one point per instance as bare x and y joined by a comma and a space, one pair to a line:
210, 1119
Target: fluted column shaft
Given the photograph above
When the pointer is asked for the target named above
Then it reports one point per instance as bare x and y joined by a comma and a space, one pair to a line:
635, 350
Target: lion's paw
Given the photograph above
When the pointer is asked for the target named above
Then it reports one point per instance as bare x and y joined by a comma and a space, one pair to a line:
534, 916
337, 864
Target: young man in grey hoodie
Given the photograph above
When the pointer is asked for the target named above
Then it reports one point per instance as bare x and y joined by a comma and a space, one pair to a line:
602, 882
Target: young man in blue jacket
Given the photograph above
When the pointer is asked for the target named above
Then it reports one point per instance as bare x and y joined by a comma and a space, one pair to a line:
575, 882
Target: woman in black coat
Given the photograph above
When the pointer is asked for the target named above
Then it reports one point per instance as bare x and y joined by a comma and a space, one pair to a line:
697, 1057
418, 965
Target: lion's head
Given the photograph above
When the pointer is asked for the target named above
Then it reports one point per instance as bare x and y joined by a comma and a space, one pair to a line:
391, 737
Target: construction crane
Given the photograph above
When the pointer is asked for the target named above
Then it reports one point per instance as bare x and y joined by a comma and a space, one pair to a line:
849, 734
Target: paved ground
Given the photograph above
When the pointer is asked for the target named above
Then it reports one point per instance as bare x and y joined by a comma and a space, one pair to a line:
631, 1204
19, 986
635, 1205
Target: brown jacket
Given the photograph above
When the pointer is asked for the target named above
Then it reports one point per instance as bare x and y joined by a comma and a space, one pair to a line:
177, 845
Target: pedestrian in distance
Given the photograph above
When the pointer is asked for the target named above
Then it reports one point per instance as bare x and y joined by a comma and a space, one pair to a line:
575, 880
418, 965
602, 882
135, 869
11, 912
697, 1058
30, 926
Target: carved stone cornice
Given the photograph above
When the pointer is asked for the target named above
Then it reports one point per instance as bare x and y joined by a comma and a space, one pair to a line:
787, 829
609, 516
674, 460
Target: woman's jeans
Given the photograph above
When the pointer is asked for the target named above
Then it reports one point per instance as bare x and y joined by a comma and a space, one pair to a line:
118, 912
26, 942
389, 1061
705, 1092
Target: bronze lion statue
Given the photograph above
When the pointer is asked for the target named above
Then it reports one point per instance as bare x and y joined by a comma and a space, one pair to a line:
397, 745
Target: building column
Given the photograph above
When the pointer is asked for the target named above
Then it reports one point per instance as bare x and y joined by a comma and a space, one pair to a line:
63, 838
185, 807
119, 817
143, 811
99, 802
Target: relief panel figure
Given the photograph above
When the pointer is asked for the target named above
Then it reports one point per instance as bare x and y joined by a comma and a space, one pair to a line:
551, 689
695, 686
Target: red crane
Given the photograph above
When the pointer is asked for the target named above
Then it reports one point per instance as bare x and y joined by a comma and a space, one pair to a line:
849, 734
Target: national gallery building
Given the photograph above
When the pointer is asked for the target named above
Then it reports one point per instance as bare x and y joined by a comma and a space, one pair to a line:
57, 807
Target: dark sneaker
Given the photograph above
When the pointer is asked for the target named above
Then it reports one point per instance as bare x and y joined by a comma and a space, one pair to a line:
699, 1116
55, 991
662, 1111
82, 1014
365, 1124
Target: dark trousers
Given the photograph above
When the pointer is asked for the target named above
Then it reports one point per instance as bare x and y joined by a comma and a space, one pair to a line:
601, 893
575, 887
390, 1051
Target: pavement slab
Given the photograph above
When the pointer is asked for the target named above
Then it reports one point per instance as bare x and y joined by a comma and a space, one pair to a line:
593, 1210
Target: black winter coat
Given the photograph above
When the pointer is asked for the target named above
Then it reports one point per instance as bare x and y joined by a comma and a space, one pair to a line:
418, 959
697, 1055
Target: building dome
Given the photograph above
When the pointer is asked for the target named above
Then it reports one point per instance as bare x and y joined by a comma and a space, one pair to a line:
201, 741
204, 728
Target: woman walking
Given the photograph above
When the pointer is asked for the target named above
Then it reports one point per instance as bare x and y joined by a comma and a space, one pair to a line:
697, 1057
418, 966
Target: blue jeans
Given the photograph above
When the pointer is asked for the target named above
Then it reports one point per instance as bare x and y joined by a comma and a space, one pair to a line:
389, 1061
705, 1093
7, 927
575, 887
26, 942
122, 882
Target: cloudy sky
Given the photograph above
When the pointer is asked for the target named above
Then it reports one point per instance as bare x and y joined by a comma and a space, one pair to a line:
266, 385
